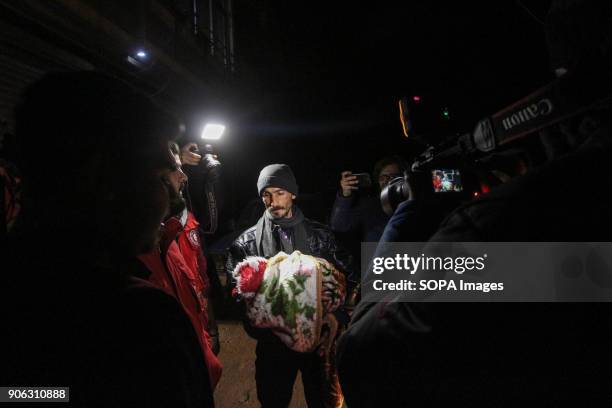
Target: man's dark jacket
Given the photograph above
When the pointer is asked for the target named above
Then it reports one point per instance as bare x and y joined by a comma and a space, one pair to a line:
359, 214
321, 243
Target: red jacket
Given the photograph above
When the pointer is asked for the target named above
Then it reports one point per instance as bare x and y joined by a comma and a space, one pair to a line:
191, 247
176, 276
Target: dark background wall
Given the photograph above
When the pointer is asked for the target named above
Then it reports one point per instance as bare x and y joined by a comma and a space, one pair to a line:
326, 78
312, 84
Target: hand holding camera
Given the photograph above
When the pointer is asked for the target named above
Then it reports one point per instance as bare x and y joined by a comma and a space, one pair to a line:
190, 155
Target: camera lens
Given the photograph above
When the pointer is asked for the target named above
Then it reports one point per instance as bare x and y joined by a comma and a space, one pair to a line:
396, 192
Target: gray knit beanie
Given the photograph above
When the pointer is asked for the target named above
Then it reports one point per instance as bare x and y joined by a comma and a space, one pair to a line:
279, 176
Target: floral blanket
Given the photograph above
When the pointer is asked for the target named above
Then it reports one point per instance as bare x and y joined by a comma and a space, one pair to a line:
290, 294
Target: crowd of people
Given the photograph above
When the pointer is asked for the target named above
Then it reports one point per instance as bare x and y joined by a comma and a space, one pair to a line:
106, 286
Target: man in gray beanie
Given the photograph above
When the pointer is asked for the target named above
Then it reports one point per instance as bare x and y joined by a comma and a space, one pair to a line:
283, 227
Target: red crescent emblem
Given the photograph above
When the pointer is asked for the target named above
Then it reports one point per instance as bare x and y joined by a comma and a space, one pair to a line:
193, 237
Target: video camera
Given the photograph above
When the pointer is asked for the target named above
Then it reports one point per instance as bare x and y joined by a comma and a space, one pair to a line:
456, 157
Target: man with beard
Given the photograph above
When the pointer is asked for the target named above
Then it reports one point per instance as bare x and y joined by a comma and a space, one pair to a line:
78, 309
283, 227
176, 263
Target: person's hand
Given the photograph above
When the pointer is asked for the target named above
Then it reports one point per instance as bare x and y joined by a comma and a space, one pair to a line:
189, 155
348, 183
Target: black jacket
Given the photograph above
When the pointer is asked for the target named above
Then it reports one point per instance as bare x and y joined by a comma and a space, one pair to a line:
322, 244
361, 214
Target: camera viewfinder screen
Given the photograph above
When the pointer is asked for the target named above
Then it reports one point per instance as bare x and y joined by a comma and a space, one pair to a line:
446, 181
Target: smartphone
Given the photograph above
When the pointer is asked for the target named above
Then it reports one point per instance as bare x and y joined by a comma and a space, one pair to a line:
363, 180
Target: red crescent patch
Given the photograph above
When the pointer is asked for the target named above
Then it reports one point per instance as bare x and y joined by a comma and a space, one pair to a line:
193, 238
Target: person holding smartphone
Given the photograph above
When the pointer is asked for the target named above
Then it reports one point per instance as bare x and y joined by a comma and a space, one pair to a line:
357, 213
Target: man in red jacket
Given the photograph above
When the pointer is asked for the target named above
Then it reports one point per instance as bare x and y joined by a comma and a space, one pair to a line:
79, 309
178, 265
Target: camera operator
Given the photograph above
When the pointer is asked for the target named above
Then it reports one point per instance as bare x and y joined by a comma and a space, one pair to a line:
401, 354
357, 213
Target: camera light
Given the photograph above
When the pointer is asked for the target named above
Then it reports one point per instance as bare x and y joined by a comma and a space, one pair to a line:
213, 131
141, 54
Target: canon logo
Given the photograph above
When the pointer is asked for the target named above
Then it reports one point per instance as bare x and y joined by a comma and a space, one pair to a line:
541, 108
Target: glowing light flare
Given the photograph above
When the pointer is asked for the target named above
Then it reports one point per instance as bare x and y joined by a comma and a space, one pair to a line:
212, 131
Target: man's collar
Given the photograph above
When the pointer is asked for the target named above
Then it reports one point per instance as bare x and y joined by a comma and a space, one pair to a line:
184, 216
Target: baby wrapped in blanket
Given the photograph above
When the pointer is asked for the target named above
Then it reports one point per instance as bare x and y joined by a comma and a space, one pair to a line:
292, 295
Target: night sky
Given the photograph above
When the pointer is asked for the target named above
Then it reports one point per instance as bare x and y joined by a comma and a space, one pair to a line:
321, 80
